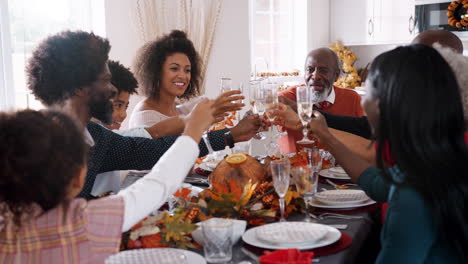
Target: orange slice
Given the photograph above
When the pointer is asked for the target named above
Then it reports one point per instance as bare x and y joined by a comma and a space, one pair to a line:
236, 158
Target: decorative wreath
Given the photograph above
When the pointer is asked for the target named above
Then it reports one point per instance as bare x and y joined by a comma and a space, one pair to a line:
457, 13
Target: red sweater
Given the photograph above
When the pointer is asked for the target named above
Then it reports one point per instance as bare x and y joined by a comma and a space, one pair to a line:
347, 102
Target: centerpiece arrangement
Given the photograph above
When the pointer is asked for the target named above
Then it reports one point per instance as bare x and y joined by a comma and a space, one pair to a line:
241, 188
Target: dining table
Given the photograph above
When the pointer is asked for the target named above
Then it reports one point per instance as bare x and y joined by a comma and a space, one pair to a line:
362, 227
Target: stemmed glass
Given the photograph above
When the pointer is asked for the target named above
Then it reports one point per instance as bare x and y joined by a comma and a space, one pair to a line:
280, 173
254, 87
257, 102
306, 185
304, 110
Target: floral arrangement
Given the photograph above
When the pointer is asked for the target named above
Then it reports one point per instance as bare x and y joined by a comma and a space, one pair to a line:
161, 231
351, 78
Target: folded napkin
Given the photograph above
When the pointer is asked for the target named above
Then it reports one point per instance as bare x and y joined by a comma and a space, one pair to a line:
292, 255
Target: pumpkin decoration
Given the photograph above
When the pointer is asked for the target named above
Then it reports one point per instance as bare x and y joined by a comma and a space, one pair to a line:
239, 167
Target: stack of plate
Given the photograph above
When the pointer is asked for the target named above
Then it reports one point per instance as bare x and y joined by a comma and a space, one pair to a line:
341, 199
285, 235
335, 173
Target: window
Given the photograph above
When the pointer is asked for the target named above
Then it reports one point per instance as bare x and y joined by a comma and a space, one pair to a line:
30, 21
278, 35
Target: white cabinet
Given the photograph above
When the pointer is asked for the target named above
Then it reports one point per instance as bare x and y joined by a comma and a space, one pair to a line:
360, 22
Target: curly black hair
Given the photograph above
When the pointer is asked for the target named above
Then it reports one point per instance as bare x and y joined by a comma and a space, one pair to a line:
122, 77
151, 57
65, 62
42, 151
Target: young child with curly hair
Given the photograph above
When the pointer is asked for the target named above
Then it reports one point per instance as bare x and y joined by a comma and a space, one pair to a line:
43, 167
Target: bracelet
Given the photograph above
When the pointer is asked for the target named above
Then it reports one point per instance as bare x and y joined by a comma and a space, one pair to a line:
229, 139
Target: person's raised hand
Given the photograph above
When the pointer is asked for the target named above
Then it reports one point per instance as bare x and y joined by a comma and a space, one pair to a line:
286, 117
318, 127
199, 119
226, 102
288, 102
246, 128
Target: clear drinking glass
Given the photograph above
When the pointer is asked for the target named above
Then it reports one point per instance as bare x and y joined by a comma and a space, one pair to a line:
217, 243
280, 173
314, 157
226, 84
304, 110
306, 185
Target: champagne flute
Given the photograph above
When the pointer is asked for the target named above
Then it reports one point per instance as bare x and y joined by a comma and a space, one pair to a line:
271, 99
306, 185
304, 110
256, 97
280, 174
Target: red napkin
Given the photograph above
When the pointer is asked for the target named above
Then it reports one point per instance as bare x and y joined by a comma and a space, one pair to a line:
292, 255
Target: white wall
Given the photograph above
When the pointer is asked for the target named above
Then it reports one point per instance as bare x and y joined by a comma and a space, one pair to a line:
367, 53
230, 54
318, 22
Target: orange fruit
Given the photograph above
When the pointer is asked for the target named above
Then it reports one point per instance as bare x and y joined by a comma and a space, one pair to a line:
236, 158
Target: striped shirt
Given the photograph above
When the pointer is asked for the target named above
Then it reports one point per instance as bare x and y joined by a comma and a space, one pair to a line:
85, 232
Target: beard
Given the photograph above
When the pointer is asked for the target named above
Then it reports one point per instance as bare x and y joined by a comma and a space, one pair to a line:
101, 109
319, 96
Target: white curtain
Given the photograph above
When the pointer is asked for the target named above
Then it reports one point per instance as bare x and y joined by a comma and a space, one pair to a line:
196, 17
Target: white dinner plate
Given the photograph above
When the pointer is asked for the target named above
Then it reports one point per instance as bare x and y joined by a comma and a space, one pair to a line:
327, 174
205, 167
340, 197
318, 204
291, 233
250, 237
155, 256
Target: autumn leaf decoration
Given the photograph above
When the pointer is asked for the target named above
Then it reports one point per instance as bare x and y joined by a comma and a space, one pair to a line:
175, 230
162, 231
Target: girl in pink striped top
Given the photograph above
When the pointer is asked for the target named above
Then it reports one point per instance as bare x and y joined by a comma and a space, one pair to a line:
42, 169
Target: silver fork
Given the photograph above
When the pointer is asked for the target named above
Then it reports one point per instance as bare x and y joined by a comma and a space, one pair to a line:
339, 216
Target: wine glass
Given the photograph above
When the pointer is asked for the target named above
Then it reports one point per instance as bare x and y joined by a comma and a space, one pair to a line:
271, 99
306, 185
212, 157
314, 158
304, 110
280, 174
257, 99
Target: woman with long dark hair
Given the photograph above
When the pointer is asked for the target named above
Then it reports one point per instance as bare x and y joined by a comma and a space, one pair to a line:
415, 110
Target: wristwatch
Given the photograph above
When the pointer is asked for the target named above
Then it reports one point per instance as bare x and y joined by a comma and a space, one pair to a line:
229, 139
